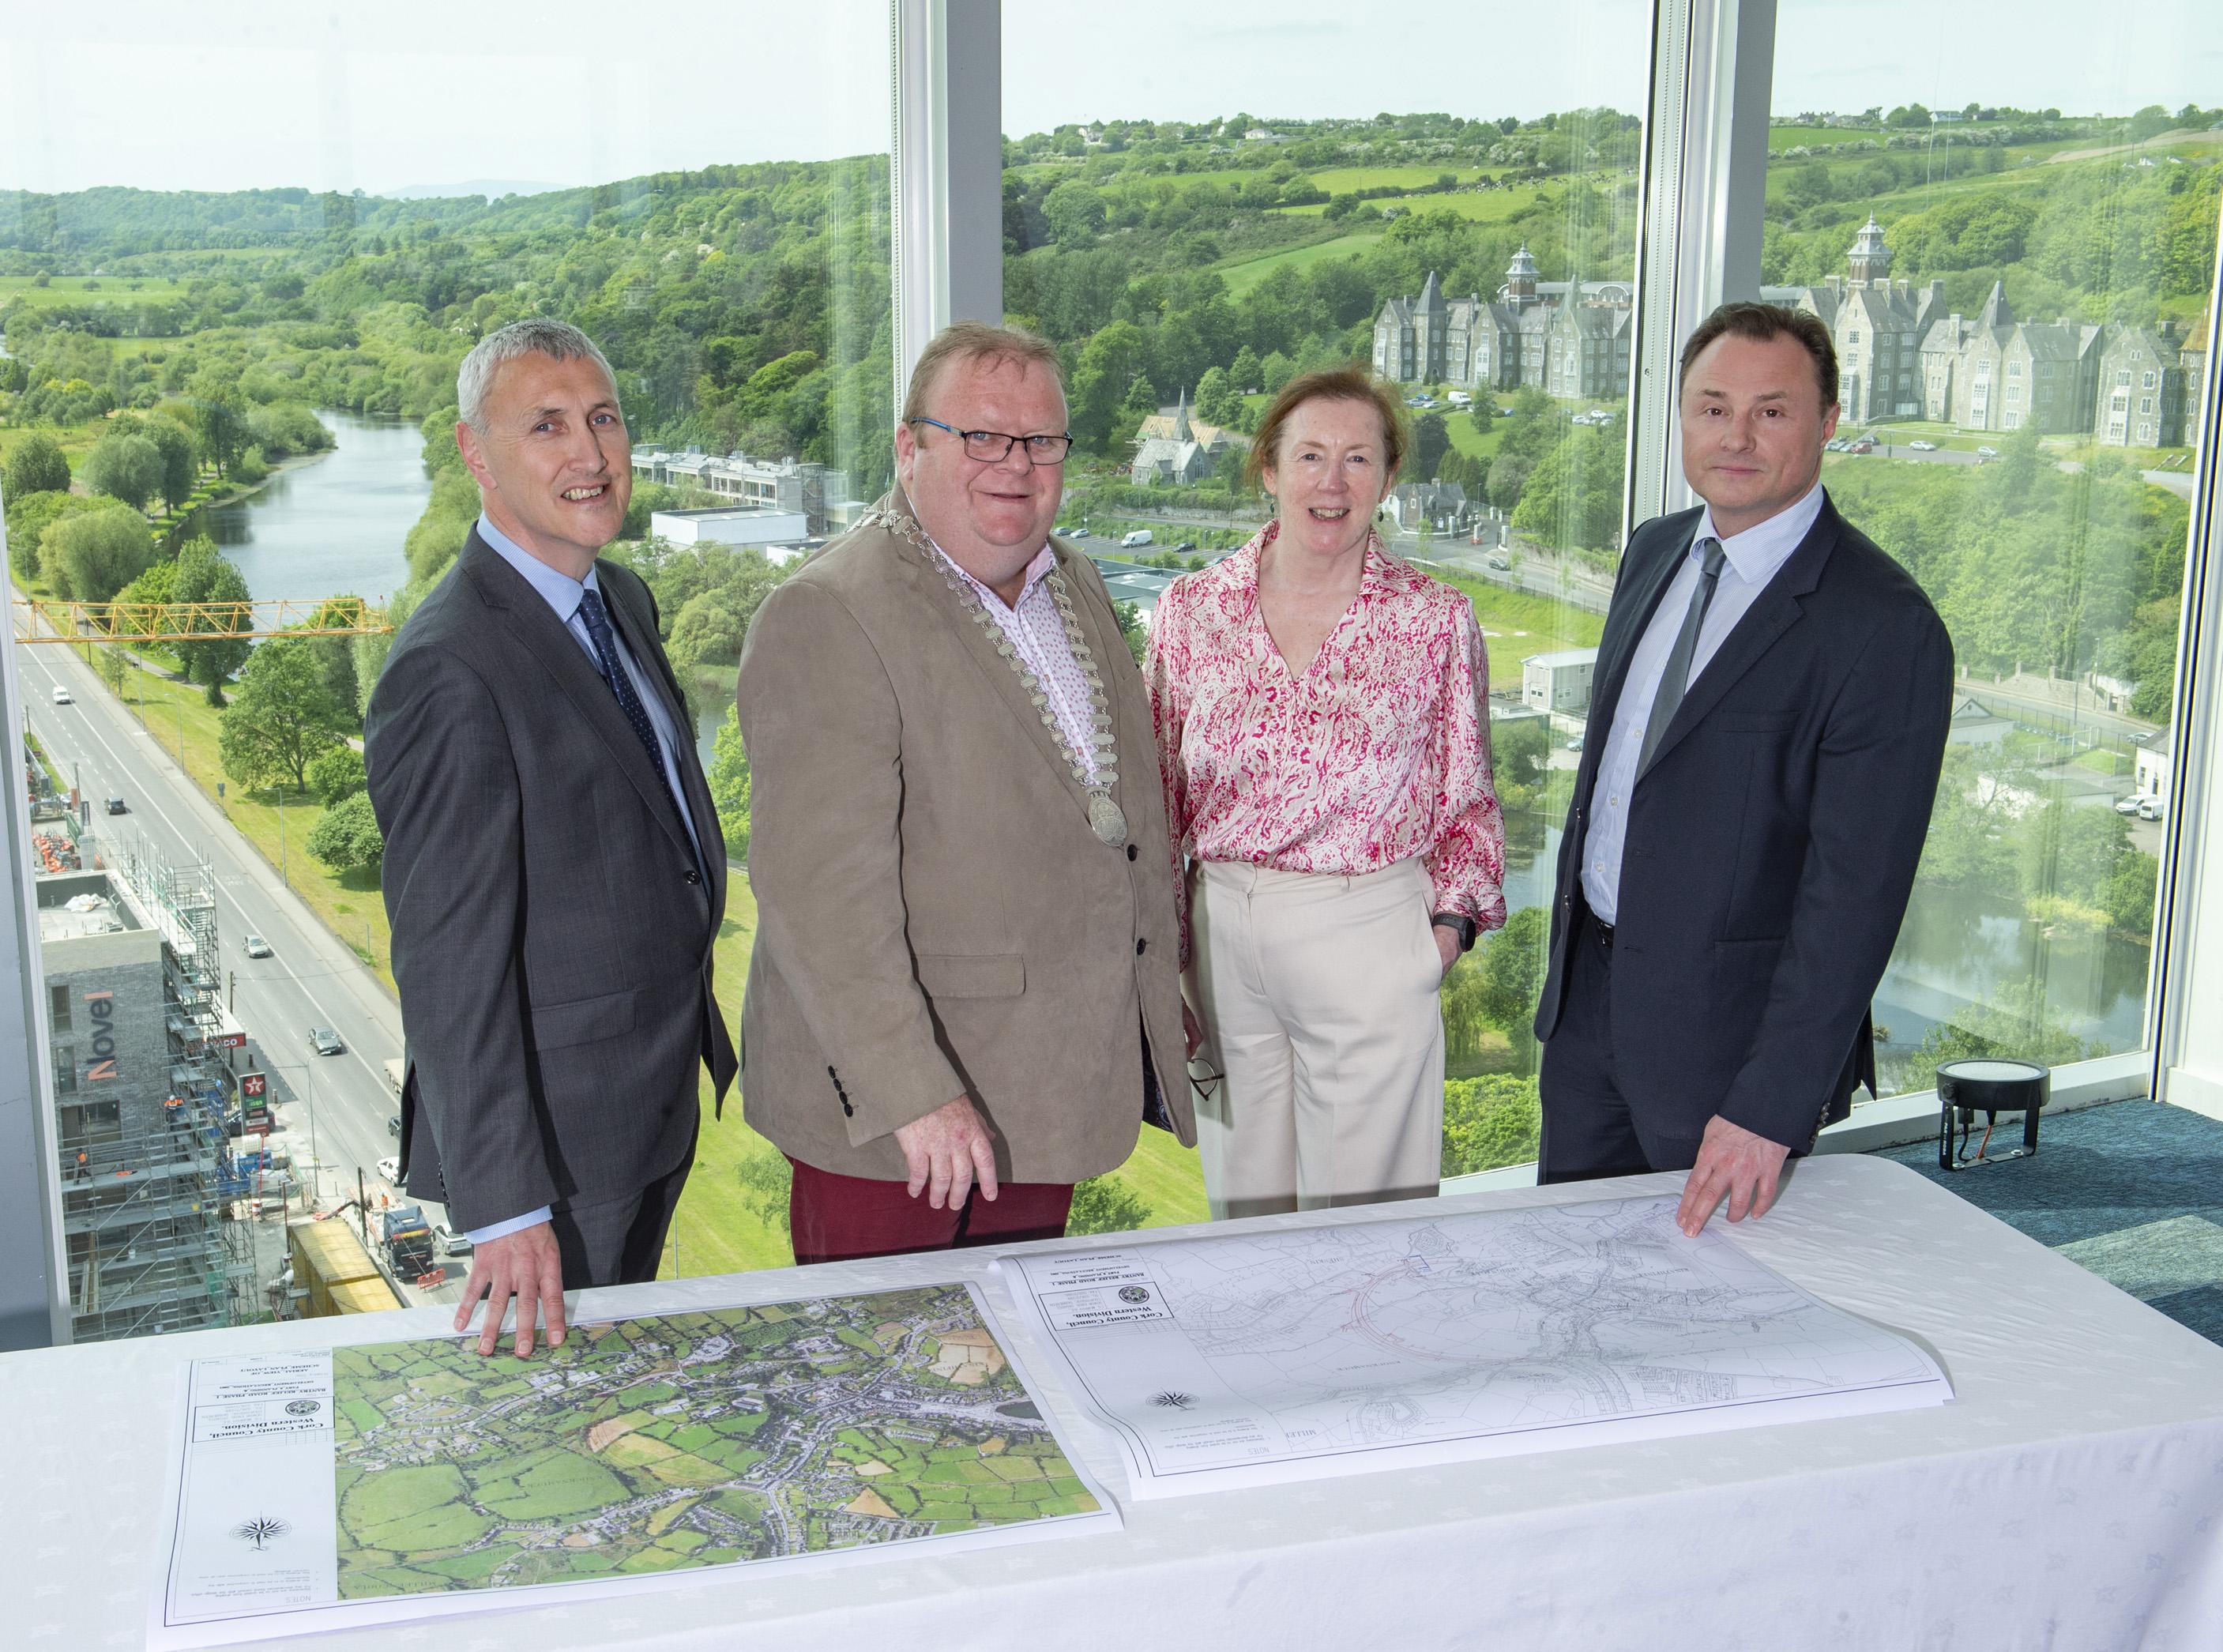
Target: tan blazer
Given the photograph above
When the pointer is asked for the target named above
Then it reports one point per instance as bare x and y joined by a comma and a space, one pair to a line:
935, 915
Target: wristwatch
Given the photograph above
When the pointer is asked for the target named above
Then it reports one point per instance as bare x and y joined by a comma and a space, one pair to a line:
1461, 923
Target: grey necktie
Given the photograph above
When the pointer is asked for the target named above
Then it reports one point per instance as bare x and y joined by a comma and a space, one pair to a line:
1677, 676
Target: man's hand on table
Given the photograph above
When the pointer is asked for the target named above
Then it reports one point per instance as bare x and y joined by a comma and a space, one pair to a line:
1732, 1163
523, 1265
947, 1152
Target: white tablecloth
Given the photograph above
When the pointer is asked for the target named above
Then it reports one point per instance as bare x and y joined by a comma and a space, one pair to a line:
2071, 1498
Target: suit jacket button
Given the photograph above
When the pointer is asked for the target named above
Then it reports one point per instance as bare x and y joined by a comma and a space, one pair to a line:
693, 876
1139, 946
1131, 851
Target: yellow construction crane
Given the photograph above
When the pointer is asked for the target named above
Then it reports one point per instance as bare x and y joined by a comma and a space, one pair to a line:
50, 619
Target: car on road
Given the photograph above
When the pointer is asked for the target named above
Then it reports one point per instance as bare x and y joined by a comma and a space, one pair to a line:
1922, 447
1866, 444
257, 947
1987, 453
390, 1168
1186, 544
2128, 805
1500, 563
325, 1042
1835, 444
116, 805
1070, 532
393, 1124
451, 1243
61, 695
1576, 745
2152, 809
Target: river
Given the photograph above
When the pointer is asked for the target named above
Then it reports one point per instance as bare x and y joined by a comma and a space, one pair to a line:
336, 524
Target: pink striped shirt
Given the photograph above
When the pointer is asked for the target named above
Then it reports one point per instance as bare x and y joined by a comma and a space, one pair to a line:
1378, 752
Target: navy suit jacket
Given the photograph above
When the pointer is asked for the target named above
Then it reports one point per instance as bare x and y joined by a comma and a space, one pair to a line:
1773, 840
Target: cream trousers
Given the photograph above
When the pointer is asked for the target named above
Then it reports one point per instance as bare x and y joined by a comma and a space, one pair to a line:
1318, 996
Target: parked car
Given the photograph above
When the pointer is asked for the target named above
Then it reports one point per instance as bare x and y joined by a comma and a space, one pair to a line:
2152, 809
390, 1168
1459, 399
61, 695
451, 1243
1186, 544
1866, 444
1987, 453
255, 945
1922, 447
1835, 444
116, 805
325, 1042
1501, 563
2127, 805
1133, 537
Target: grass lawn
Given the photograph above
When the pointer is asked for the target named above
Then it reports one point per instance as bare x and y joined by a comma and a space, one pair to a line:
74, 441
1241, 277
1486, 206
1466, 439
1789, 137
73, 290
1516, 624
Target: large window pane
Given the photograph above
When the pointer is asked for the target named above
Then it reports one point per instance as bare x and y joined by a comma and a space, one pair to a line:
1193, 227
231, 326
2020, 297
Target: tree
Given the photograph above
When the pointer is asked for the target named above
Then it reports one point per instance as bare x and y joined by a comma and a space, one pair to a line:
205, 575
1217, 402
1484, 414
113, 665
1518, 749
1275, 371
180, 464
37, 466
1489, 1122
728, 781
1105, 1204
1513, 963
91, 557
1074, 212
337, 775
1132, 628
127, 467
281, 718
2071, 850
1509, 476
1432, 439
348, 836
1247, 373
1574, 495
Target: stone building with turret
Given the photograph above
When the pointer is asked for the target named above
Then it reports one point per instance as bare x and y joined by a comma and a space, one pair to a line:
1569, 338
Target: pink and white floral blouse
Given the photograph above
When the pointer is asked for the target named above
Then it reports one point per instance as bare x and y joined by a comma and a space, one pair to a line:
1378, 752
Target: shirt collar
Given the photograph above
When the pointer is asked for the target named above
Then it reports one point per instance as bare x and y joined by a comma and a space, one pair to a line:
1036, 571
1757, 553
1381, 574
559, 590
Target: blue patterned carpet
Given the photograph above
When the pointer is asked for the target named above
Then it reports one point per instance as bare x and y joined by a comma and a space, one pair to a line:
2133, 1190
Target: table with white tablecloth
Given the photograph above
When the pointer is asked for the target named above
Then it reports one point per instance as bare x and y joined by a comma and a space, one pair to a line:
2071, 1497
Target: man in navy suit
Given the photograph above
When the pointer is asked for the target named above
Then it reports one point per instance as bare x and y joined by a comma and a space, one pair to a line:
1770, 710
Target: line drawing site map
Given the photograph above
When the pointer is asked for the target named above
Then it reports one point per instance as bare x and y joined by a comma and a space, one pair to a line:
1275, 1355
388, 1480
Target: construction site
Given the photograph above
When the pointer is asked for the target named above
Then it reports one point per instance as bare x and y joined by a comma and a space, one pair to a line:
159, 1169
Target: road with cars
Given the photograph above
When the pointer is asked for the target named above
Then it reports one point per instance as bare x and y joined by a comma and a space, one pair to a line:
338, 1123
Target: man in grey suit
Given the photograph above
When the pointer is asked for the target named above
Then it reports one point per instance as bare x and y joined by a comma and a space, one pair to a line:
554, 870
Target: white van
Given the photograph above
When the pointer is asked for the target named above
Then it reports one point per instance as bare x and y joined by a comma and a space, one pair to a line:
62, 695
1129, 541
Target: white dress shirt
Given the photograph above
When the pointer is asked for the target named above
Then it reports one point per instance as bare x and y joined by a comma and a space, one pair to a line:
1753, 558
562, 594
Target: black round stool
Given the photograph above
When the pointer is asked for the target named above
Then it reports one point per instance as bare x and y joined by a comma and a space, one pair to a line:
1990, 1085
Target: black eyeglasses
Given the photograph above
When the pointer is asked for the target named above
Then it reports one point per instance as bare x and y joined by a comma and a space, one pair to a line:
993, 446
1206, 1084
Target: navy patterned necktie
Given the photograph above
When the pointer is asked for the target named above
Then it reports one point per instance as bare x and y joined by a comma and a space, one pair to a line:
1676, 677
620, 681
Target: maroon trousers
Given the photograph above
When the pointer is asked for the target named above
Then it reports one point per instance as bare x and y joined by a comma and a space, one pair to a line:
842, 1218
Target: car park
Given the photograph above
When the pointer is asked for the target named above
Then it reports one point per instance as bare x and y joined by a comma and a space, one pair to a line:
254, 946
61, 695
1922, 447
325, 1042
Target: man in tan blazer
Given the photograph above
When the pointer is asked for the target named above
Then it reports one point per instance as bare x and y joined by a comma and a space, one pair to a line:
964, 994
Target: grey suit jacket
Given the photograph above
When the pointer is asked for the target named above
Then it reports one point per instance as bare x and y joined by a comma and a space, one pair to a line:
551, 928
934, 916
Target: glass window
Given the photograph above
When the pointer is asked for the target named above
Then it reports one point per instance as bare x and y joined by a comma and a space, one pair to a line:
2059, 564
58, 1009
253, 344
1191, 260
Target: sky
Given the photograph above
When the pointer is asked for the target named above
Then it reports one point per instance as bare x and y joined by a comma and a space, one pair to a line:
400, 94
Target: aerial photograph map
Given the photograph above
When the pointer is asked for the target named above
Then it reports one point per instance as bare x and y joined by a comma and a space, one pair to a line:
690, 1439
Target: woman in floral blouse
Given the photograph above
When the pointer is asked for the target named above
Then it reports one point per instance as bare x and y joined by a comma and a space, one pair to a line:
1324, 739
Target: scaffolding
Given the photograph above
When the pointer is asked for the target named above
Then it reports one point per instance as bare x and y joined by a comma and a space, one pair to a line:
149, 1197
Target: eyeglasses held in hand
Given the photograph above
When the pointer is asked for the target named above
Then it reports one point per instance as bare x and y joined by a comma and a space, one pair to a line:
993, 446
1206, 1084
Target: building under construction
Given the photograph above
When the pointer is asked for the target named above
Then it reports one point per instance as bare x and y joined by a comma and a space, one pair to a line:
141, 1092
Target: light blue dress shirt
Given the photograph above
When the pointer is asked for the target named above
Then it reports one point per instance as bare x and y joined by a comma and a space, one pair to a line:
1754, 558
561, 592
